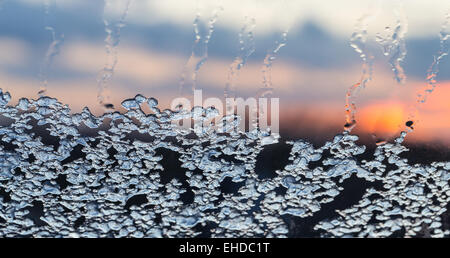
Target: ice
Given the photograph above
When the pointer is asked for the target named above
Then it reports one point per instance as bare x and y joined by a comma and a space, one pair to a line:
119, 187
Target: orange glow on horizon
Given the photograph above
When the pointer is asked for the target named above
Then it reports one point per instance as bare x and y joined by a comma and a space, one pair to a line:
384, 118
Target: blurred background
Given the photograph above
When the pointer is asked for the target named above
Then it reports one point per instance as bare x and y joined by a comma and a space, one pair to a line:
62, 43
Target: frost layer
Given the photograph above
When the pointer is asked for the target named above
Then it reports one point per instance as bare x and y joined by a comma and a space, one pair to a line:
135, 175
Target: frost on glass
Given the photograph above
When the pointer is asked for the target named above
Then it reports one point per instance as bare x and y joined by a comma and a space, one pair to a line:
134, 174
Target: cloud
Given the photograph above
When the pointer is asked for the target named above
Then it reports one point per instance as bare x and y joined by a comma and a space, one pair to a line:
338, 17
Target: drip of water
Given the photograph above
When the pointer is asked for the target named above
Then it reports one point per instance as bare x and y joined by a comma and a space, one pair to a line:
267, 89
358, 43
112, 40
199, 53
268, 61
52, 51
433, 70
246, 49
393, 43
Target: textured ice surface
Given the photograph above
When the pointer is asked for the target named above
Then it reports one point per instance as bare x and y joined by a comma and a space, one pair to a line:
135, 175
